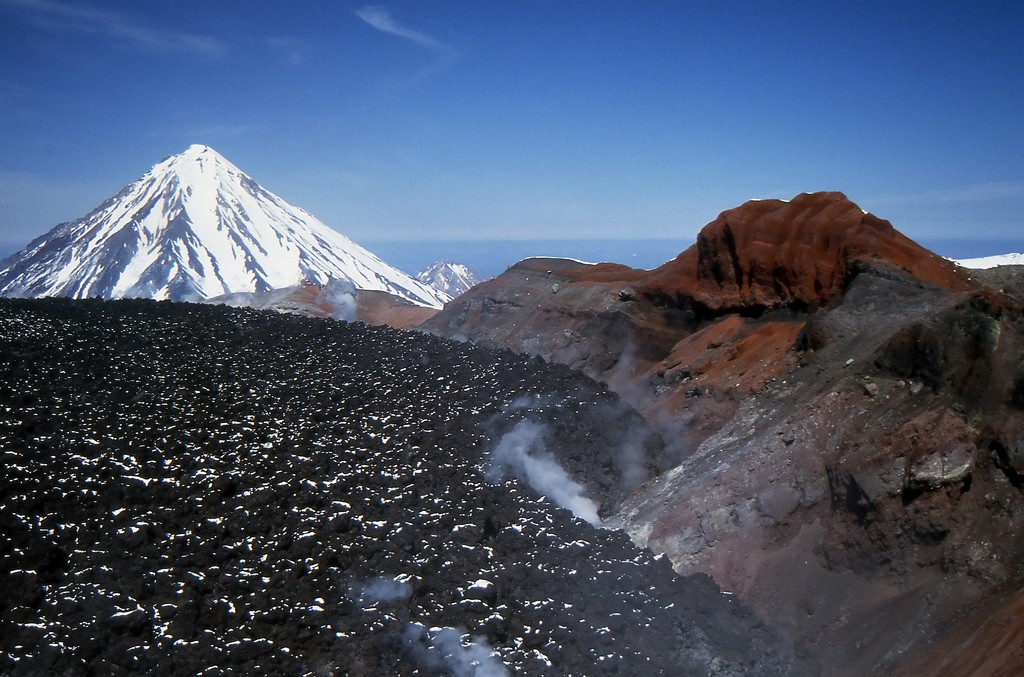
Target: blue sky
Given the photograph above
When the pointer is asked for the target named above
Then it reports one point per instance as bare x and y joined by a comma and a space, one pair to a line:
523, 120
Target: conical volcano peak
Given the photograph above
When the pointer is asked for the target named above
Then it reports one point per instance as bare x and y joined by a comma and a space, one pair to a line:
199, 149
194, 227
198, 163
196, 153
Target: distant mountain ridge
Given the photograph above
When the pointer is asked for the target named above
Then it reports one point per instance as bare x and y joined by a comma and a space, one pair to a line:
449, 277
193, 227
984, 262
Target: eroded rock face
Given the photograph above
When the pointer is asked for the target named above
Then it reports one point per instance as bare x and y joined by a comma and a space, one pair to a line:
850, 408
800, 254
871, 493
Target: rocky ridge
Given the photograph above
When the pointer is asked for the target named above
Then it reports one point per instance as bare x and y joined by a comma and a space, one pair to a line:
849, 410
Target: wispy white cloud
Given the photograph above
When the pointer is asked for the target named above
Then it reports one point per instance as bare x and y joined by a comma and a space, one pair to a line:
379, 18
57, 16
292, 49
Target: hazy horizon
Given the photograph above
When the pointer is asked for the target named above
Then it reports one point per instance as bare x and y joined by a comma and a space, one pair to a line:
491, 257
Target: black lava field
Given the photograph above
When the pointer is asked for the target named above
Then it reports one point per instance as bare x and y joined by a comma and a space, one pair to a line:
196, 490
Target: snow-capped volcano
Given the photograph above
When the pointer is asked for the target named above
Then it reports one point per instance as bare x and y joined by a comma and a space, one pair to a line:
449, 277
193, 227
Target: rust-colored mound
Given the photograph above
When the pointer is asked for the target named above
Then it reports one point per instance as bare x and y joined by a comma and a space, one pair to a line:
801, 253
370, 306
381, 308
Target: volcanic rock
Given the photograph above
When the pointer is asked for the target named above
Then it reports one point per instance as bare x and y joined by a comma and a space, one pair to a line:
848, 409
720, 321
198, 489
1007, 279
383, 309
798, 254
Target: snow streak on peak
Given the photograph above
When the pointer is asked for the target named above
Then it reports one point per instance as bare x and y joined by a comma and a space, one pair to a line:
193, 227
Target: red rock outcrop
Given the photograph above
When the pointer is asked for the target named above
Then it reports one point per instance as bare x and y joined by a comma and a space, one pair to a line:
383, 309
801, 253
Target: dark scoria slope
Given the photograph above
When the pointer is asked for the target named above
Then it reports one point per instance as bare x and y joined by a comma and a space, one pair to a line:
191, 489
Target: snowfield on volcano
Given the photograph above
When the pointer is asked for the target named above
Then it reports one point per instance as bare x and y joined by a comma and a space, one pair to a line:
193, 489
194, 227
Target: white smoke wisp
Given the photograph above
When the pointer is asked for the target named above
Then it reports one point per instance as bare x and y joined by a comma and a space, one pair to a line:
341, 296
522, 453
378, 591
450, 650
631, 462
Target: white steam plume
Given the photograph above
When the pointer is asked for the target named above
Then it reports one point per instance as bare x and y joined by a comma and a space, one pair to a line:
450, 650
521, 452
341, 296
379, 590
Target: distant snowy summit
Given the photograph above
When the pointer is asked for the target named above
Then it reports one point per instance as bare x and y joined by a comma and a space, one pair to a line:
195, 227
449, 277
993, 261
